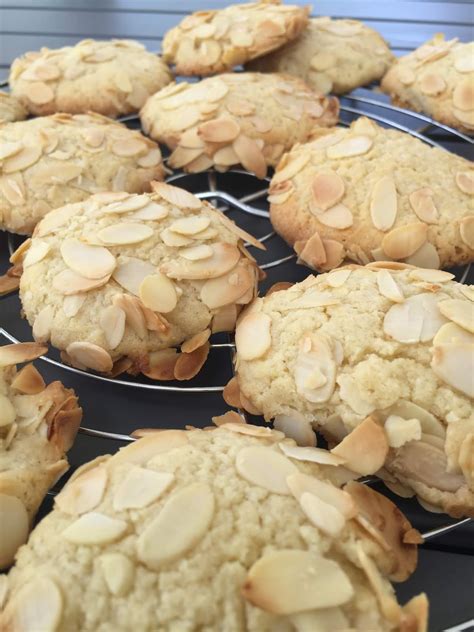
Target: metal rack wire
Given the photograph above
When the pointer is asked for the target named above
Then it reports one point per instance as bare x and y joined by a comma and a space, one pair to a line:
217, 189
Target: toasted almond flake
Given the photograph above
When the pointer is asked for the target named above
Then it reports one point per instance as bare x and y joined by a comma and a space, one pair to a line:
264, 467
323, 60
322, 515
23, 159
161, 364
40, 93
195, 253
13, 189
151, 159
15, 527
417, 319
190, 225
430, 276
290, 581
465, 181
225, 257
229, 288
339, 216
195, 341
158, 293
337, 278
383, 205
90, 355
28, 381
365, 448
328, 189
454, 364
150, 212
69, 282
189, 364
422, 203
405, 240
38, 605
291, 168
140, 488
183, 156
176, 196
464, 63
174, 240
72, 304
467, 291
347, 147
91, 262
399, 430
84, 493
220, 130
311, 454
142, 451
128, 147
300, 484
240, 232
253, 336
312, 251
452, 333
43, 324
463, 95
131, 272
37, 251
315, 368
250, 155
425, 257
123, 233
134, 316
432, 84
9, 149
295, 426
253, 431
459, 311
112, 323
179, 527
94, 528
131, 203
21, 352
388, 286
405, 75
7, 411
118, 571
466, 229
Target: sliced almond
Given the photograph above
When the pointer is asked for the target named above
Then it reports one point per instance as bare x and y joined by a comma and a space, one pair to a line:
151, 159
253, 336
152, 212
250, 155
328, 189
224, 319
158, 293
459, 311
131, 203
28, 381
295, 426
190, 225
179, 526
8, 284
188, 365
253, 431
21, 352
22, 159
463, 95
365, 448
464, 63
195, 253
13, 189
337, 278
322, 515
290, 581
313, 455
312, 251
422, 203
425, 257
84, 493
452, 333
388, 287
153, 445
131, 272
112, 323
9, 149
195, 341
315, 368
417, 319
72, 304
176, 196
123, 233
404, 240
40, 93
466, 229
36, 252
383, 205
430, 276
174, 240
43, 324
93, 529
300, 484
339, 216
118, 571
264, 467
291, 168
7, 411
405, 75
55, 219
465, 181
134, 316
90, 355
432, 84
161, 364
399, 430
220, 130
68, 282
128, 147
352, 146
225, 257
38, 605
140, 488
92, 262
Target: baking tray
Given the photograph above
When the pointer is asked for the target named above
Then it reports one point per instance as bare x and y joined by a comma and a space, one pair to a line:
114, 408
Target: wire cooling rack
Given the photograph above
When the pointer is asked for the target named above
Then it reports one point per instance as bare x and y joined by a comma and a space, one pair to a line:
243, 197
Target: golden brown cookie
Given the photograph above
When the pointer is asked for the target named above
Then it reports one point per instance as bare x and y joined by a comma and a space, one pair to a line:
10, 109
437, 79
331, 56
38, 424
208, 42
60, 159
247, 118
367, 193
380, 359
233, 529
112, 77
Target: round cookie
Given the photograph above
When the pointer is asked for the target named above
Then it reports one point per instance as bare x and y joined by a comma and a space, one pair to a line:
437, 79
246, 118
112, 77
118, 280
220, 530
38, 424
51, 161
364, 194
331, 56
10, 109
208, 42
379, 359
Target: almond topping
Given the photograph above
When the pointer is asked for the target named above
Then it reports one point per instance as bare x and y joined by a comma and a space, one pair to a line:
463, 95
180, 526
253, 431
405, 75
130, 273
142, 451
417, 319
189, 364
422, 203
176, 196
151, 159
300, 484
195, 253
253, 336
465, 181
15, 528
352, 146
464, 63
315, 368
68, 282
450, 332
134, 316
151, 211
132, 203
84, 493
430, 276
219, 130
339, 216
265, 467
459, 311
158, 293
308, 453
7, 411
383, 205
466, 228
365, 448
174, 240
124, 233
94, 528
38, 606
289, 581
399, 430
9, 149
21, 352
161, 364
92, 262
425, 257
26, 157
36, 252
128, 147
112, 323
388, 286
405, 240
225, 256
432, 84
291, 168
118, 571
454, 364
140, 488
250, 155
328, 189
195, 341
40, 93
190, 225
90, 355
43, 324
322, 515
28, 381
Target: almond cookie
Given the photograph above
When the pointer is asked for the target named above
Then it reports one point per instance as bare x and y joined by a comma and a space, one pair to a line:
246, 118
112, 78
332, 56
380, 359
437, 79
118, 280
10, 109
361, 193
207, 42
232, 529
38, 424
51, 161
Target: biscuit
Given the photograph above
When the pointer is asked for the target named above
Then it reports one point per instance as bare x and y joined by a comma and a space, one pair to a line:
38, 424
331, 56
379, 359
51, 161
208, 42
247, 118
125, 278
365, 193
10, 109
220, 530
112, 78
437, 79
